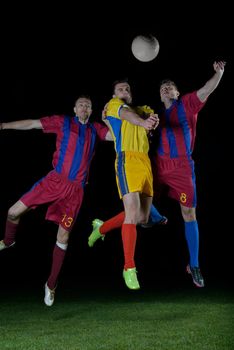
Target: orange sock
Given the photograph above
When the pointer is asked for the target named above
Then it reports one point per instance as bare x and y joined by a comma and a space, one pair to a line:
129, 236
111, 224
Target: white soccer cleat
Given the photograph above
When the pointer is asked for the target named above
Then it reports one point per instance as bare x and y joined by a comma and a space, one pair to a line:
49, 296
4, 246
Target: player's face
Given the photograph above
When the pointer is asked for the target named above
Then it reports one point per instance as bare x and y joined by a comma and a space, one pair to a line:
123, 91
83, 109
168, 91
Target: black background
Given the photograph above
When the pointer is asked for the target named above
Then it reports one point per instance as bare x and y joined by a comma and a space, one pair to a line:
51, 56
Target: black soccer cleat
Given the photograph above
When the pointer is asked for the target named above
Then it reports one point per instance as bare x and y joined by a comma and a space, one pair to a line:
151, 223
196, 276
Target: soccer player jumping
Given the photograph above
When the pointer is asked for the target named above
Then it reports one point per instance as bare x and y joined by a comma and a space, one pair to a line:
62, 188
133, 173
173, 166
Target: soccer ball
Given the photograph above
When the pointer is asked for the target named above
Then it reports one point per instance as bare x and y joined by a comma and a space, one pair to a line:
145, 48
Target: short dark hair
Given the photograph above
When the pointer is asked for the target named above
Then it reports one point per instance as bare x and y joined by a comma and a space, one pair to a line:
119, 81
83, 96
167, 81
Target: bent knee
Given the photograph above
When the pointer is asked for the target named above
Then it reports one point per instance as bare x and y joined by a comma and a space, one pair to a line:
189, 214
16, 211
12, 214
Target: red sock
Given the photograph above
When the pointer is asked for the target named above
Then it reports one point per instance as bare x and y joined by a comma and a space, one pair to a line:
112, 223
58, 257
129, 236
10, 232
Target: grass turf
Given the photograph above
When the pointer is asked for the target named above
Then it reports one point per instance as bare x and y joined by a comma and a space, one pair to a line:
118, 319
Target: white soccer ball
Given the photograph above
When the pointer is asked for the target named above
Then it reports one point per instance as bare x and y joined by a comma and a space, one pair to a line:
145, 48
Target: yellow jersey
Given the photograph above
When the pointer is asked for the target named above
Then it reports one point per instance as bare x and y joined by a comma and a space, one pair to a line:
127, 136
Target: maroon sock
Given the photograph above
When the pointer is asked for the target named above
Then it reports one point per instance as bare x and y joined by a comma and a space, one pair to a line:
58, 257
10, 232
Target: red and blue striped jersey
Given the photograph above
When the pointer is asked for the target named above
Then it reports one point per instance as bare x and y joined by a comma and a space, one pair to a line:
75, 145
178, 127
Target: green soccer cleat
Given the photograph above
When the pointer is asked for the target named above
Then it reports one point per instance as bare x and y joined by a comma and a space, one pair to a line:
4, 246
130, 278
95, 235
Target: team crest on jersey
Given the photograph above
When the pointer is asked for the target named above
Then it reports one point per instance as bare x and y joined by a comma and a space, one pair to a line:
183, 197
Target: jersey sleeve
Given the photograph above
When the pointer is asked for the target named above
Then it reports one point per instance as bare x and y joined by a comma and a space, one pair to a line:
52, 124
144, 111
192, 102
101, 130
113, 108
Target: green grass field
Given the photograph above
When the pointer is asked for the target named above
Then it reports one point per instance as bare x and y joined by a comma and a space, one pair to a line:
118, 319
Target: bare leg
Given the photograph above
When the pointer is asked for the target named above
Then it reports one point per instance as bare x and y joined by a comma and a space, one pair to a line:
145, 208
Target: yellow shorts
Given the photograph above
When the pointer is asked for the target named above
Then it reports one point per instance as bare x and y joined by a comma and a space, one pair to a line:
133, 173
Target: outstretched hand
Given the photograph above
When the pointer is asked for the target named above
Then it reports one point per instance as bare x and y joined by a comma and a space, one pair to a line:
219, 66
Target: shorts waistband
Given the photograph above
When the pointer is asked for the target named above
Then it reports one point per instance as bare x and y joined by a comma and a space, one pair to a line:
141, 155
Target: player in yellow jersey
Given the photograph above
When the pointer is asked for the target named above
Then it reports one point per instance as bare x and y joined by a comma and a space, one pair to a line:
129, 127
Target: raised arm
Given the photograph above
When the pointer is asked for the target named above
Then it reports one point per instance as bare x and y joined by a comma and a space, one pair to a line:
212, 84
27, 124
